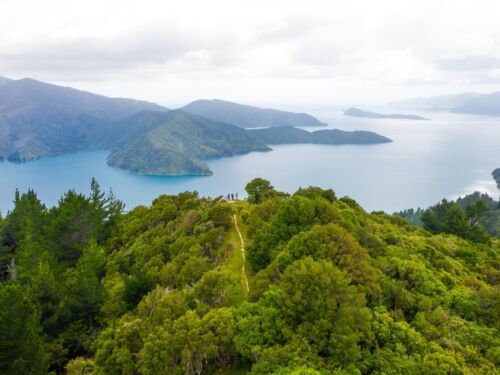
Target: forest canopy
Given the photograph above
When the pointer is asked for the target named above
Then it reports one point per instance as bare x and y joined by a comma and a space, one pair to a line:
87, 288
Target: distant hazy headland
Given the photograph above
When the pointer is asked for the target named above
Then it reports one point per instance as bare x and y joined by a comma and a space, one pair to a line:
466, 103
356, 112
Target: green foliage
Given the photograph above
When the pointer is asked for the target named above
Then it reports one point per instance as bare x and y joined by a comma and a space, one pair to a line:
56, 257
21, 346
448, 217
159, 289
259, 190
475, 217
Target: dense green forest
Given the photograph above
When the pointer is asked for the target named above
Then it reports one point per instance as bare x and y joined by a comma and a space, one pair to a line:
314, 285
475, 216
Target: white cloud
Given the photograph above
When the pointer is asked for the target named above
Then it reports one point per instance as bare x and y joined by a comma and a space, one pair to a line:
294, 51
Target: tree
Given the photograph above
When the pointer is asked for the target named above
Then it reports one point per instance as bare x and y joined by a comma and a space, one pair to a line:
214, 288
84, 298
220, 325
74, 222
159, 355
194, 342
259, 190
448, 217
28, 216
21, 346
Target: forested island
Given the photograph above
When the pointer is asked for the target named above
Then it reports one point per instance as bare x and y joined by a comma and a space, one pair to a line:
356, 112
307, 283
179, 143
288, 135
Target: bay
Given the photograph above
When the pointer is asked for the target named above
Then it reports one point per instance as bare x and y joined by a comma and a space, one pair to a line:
449, 156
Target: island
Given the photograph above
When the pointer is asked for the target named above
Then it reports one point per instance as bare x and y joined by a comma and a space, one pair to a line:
178, 143
287, 134
356, 112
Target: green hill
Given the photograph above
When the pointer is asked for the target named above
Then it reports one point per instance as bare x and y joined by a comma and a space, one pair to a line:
176, 143
162, 289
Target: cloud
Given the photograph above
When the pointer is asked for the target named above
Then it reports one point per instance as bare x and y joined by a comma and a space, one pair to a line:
226, 45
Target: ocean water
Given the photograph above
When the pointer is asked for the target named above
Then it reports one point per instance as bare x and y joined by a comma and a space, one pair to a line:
449, 156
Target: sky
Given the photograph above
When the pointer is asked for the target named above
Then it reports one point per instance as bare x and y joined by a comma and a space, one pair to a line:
288, 54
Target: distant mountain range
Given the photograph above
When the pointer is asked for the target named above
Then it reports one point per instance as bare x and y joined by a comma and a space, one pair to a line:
246, 116
39, 119
356, 112
468, 103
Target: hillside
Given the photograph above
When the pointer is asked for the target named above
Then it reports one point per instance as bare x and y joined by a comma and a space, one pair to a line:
39, 119
286, 134
356, 112
467, 103
162, 289
176, 143
246, 116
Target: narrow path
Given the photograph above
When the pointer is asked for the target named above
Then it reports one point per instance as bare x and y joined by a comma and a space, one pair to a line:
243, 259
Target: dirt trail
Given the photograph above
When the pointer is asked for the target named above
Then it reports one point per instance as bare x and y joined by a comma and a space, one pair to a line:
243, 259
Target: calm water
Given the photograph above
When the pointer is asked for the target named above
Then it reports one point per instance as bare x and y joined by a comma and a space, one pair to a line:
449, 156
